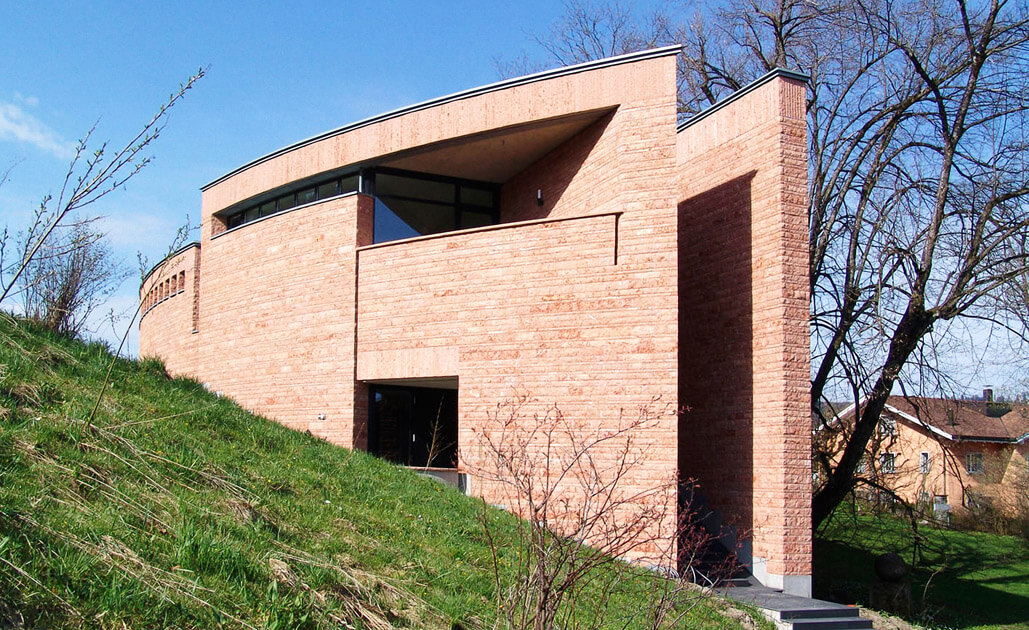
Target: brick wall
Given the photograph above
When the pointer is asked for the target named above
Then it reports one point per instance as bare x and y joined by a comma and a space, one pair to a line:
574, 309
168, 314
278, 315
743, 319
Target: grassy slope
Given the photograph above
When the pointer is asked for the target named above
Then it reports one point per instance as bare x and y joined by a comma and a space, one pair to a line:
975, 580
175, 508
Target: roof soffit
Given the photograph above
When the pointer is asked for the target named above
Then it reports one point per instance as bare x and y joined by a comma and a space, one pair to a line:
587, 90
494, 156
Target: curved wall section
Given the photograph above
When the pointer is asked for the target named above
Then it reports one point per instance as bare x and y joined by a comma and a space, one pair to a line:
169, 310
278, 314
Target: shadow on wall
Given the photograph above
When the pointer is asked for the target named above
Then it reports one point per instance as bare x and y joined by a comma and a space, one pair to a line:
716, 428
553, 175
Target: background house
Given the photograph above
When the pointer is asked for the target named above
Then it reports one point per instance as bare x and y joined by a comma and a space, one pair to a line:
962, 456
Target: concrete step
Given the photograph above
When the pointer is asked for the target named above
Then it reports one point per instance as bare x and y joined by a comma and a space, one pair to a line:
793, 612
831, 623
816, 613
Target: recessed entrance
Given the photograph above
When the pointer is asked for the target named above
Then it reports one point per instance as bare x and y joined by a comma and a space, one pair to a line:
414, 426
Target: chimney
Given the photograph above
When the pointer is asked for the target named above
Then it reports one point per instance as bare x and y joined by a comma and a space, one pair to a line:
988, 394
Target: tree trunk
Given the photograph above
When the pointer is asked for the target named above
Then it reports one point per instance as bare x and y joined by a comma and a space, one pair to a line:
915, 323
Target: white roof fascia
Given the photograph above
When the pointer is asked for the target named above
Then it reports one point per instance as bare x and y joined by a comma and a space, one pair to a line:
917, 422
835, 418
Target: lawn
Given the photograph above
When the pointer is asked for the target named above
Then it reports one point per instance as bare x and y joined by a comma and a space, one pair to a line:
966, 580
173, 507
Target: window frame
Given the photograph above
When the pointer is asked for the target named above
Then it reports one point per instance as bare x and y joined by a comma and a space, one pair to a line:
368, 185
925, 463
888, 463
975, 463
288, 198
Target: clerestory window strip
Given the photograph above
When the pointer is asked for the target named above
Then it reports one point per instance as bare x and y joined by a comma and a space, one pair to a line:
317, 191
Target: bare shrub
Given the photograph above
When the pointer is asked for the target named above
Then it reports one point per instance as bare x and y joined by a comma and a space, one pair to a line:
95, 171
588, 522
72, 274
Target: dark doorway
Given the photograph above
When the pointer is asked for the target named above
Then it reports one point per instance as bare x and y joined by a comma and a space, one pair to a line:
414, 426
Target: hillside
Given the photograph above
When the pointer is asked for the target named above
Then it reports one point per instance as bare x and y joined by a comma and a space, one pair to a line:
175, 508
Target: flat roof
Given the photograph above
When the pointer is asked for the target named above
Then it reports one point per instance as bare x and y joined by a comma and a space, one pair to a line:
457, 96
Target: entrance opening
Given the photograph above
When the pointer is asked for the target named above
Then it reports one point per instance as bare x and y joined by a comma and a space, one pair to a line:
414, 426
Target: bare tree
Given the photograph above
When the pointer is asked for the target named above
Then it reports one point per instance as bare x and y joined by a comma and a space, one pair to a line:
92, 174
917, 117
68, 278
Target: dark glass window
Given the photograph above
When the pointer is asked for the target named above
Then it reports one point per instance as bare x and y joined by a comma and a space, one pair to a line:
325, 189
388, 185
471, 218
410, 204
388, 226
417, 204
330, 189
476, 197
286, 202
349, 184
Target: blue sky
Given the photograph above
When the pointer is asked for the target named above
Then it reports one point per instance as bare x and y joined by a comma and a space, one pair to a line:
277, 73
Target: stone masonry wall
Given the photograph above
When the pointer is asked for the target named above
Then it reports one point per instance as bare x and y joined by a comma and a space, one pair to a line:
168, 311
574, 312
743, 298
278, 315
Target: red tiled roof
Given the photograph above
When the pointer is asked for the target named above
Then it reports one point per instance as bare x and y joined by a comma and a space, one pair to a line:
968, 419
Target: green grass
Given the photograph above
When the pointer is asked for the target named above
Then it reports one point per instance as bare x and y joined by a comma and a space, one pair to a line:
958, 579
176, 508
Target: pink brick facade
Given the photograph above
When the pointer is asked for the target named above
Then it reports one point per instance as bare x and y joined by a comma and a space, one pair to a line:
578, 297
743, 316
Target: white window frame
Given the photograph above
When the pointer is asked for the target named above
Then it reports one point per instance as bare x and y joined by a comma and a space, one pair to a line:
925, 463
974, 463
889, 426
888, 463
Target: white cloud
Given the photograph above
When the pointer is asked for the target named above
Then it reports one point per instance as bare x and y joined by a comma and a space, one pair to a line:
135, 229
18, 125
31, 101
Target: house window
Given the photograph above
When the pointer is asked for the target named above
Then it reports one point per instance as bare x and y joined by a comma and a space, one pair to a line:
888, 463
974, 463
889, 426
410, 204
924, 463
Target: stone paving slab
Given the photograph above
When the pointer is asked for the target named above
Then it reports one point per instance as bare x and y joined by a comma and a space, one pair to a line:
773, 599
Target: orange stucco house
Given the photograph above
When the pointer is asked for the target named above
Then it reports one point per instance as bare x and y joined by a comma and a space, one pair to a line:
558, 235
954, 456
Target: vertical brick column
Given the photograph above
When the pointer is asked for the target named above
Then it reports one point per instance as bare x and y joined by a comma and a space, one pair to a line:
743, 326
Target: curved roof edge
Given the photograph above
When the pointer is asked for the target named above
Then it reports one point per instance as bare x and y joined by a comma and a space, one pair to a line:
457, 96
165, 259
743, 91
